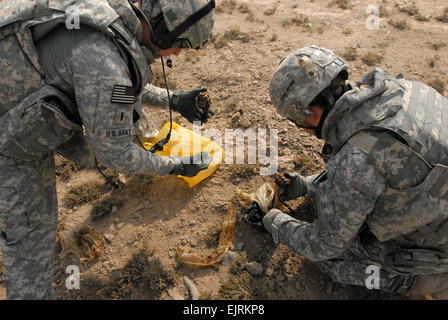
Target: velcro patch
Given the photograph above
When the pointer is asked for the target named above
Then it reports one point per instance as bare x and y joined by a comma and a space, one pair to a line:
123, 94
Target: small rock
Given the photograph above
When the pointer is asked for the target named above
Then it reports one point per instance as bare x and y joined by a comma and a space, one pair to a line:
108, 237
192, 223
298, 285
116, 220
269, 272
192, 289
114, 210
239, 246
254, 268
184, 242
229, 258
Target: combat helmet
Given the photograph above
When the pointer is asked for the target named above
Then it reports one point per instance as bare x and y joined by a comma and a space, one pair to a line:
180, 23
301, 77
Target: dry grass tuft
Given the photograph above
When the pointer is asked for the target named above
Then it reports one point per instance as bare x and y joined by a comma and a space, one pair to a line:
408, 7
342, 4
444, 16
350, 54
399, 24
372, 58
82, 194
437, 84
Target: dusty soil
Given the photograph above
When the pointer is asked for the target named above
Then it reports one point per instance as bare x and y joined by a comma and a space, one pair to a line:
162, 213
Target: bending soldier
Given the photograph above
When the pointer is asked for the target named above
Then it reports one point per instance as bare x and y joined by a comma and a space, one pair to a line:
383, 199
77, 90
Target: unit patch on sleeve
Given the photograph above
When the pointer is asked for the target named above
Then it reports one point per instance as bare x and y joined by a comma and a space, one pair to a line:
123, 94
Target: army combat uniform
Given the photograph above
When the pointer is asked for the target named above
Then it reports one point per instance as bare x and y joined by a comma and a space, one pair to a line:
383, 199
45, 67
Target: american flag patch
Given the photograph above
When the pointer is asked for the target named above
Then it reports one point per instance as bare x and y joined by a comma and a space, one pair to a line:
123, 94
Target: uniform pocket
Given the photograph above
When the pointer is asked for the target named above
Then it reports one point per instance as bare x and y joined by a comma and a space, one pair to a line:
34, 129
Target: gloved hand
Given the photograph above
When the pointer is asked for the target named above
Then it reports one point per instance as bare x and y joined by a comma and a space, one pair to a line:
187, 104
189, 166
292, 186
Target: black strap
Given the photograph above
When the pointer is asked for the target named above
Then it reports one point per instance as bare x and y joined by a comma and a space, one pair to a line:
168, 39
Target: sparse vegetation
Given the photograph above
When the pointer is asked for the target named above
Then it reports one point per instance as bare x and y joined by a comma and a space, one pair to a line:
226, 6
432, 61
243, 171
238, 285
270, 12
350, 54
347, 31
157, 78
65, 167
234, 33
343, 4
142, 184
372, 58
243, 8
437, 84
82, 194
299, 20
438, 45
422, 17
408, 7
399, 24
384, 12
304, 164
104, 207
142, 274
443, 17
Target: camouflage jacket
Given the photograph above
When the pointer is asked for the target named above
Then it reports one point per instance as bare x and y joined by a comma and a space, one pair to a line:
104, 70
385, 182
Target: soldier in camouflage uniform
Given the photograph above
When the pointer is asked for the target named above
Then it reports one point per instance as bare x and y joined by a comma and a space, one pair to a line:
383, 199
79, 92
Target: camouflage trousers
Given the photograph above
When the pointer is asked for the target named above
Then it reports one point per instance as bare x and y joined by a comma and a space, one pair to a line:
350, 269
28, 226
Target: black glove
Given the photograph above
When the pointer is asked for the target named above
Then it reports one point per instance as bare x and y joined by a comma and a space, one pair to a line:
189, 166
191, 105
292, 186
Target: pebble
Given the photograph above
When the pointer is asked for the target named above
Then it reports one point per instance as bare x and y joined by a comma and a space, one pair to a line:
229, 258
108, 237
192, 289
254, 268
239, 246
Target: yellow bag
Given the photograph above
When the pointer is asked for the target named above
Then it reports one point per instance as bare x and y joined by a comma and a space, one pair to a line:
184, 142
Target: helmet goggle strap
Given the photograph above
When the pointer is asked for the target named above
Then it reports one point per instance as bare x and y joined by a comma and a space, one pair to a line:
167, 40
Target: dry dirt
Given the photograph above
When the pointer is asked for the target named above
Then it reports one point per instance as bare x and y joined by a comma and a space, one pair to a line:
162, 213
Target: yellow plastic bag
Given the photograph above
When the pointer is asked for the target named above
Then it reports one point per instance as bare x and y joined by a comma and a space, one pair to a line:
184, 142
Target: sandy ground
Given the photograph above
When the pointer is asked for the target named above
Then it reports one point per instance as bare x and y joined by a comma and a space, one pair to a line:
237, 74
